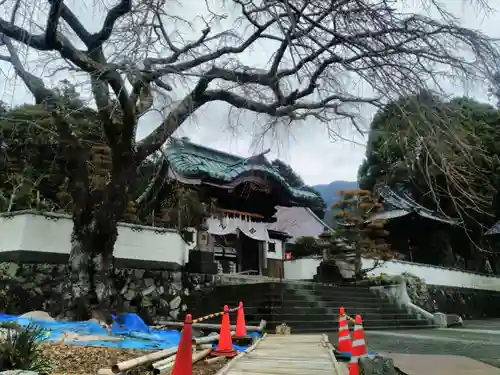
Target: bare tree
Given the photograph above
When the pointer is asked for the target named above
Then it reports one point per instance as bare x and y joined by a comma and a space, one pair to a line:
315, 46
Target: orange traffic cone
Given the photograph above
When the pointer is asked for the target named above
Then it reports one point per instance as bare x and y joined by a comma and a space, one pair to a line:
225, 347
345, 344
241, 337
184, 361
359, 349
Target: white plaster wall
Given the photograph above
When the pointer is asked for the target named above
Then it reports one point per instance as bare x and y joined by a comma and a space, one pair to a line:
301, 269
11, 232
51, 233
305, 269
279, 249
40, 233
435, 275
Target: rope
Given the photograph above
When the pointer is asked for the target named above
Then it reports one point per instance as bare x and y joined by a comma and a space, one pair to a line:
350, 318
214, 315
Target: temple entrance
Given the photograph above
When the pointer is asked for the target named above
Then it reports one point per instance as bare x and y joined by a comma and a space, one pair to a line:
249, 254
239, 244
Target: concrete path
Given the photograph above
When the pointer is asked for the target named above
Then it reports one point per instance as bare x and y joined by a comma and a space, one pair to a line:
425, 364
478, 340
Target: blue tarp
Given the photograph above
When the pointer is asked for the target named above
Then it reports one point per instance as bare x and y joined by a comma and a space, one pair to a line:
253, 335
135, 333
346, 356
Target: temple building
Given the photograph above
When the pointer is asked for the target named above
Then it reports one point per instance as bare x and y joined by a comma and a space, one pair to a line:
239, 235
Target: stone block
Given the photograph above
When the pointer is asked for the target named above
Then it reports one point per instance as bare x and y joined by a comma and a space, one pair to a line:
377, 365
12, 270
177, 277
150, 289
174, 314
139, 273
440, 319
454, 320
130, 294
175, 303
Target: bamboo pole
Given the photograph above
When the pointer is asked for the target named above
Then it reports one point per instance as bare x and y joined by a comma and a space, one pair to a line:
203, 347
196, 357
107, 371
209, 339
206, 339
214, 360
163, 362
213, 327
171, 359
142, 360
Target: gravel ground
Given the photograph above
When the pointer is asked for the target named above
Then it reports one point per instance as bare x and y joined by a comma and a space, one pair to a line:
201, 368
82, 360
85, 359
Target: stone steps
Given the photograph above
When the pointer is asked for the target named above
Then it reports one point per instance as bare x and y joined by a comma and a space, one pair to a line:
308, 307
299, 303
332, 325
331, 329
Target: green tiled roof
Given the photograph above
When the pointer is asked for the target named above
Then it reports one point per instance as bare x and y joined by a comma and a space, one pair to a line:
195, 161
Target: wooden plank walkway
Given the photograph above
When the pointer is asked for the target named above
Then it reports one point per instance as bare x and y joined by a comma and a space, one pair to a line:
287, 355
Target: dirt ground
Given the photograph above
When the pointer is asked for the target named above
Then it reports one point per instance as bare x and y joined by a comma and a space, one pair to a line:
85, 359
201, 368
76, 359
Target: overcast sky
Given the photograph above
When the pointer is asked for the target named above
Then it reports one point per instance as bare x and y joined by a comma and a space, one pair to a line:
307, 147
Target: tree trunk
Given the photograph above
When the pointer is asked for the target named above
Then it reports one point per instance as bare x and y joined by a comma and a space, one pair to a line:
95, 230
103, 272
90, 282
77, 296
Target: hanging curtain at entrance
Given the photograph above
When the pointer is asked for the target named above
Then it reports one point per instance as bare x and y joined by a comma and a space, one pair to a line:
221, 226
227, 225
256, 231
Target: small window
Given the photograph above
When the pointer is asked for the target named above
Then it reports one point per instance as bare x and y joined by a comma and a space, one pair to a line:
271, 247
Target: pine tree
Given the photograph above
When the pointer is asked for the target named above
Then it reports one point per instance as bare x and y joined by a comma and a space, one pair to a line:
357, 236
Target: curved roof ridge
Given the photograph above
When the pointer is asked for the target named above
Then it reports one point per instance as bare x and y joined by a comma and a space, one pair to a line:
322, 222
206, 148
197, 161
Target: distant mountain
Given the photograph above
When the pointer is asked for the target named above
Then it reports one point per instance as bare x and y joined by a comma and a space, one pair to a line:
329, 191
330, 196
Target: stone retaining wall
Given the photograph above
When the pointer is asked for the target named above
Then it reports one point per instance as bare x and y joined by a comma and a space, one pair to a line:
153, 294
468, 303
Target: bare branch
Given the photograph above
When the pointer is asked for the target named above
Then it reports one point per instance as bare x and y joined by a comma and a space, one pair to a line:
314, 48
289, 60
52, 23
119, 10
94, 63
